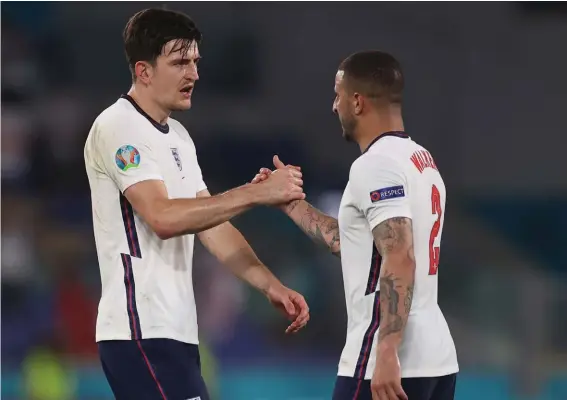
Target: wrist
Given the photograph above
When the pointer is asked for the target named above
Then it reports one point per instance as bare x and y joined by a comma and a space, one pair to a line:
253, 194
289, 207
387, 347
272, 285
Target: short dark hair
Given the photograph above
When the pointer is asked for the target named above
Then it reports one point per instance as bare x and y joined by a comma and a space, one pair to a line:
149, 30
374, 74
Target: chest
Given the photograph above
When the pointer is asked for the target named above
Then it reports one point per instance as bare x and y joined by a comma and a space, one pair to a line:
179, 167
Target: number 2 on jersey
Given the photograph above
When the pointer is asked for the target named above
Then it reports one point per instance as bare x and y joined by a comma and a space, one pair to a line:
435, 250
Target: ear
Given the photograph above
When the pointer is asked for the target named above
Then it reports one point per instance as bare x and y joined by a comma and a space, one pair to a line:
357, 103
144, 71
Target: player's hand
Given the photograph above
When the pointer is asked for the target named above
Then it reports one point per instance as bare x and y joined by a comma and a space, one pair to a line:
291, 304
386, 382
264, 173
280, 186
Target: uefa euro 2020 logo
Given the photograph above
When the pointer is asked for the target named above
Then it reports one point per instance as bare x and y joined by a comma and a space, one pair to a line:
127, 157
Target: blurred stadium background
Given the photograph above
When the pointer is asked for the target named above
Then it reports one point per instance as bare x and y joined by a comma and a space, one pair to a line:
486, 93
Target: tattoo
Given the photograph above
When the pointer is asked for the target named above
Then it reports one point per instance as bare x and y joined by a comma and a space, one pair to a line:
392, 322
291, 206
322, 228
392, 233
408, 299
394, 241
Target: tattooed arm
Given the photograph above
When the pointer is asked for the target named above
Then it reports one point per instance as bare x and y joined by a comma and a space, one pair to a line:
394, 241
319, 226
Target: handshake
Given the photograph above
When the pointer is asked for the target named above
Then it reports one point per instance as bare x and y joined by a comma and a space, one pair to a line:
278, 187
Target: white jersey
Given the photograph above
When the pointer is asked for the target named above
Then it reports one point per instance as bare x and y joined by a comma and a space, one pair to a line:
395, 177
147, 287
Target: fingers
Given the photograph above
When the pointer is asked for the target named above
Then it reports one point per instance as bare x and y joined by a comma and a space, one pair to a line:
296, 196
289, 307
303, 316
262, 175
400, 392
392, 391
260, 178
295, 173
375, 395
297, 182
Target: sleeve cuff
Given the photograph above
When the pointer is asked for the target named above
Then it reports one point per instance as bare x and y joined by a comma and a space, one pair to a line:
126, 184
378, 218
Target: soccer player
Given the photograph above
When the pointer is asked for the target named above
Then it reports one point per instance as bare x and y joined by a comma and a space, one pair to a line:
388, 237
149, 200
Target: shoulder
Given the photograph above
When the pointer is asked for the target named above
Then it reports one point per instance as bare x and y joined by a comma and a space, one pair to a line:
373, 164
178, 127
121, 121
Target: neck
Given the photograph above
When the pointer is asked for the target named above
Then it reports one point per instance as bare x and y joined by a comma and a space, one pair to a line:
150, 107
376, 124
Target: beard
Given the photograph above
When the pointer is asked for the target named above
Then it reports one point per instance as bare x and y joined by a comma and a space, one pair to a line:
349, 126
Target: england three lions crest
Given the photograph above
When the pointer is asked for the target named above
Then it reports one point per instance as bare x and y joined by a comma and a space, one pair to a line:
176, 157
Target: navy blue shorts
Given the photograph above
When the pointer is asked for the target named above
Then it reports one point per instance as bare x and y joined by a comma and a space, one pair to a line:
437, 388
153, 369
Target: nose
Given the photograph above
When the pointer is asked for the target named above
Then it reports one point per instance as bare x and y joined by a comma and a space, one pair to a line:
191, 72
334, 107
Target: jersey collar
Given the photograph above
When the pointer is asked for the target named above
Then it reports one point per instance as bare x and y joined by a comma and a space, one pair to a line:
398, 134
157, 125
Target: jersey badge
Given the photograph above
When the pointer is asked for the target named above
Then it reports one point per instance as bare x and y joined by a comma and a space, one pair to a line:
391, 192
127, 157
176, 157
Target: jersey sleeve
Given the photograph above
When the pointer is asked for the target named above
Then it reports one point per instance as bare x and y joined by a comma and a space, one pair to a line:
380, 189
202, 185
127, 156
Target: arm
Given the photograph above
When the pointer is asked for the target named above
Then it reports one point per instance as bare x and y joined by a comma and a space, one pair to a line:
136, 169
228, 245
319, 226
174, 217
379, 185
394, 241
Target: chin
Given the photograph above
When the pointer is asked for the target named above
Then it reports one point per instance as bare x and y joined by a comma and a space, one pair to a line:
182, 105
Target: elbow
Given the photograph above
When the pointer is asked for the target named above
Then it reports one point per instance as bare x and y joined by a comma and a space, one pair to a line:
402, 263
335, 249
164, 234
162, 228
167, 229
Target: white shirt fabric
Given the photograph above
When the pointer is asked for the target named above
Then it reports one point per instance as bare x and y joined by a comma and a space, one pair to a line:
395, 177
147, 287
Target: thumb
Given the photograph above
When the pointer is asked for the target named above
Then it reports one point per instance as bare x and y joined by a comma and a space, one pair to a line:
278, 163
289, 307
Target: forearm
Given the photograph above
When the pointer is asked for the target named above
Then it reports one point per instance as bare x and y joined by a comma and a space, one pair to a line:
319, 226
228, 245
396, 294
183, 216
